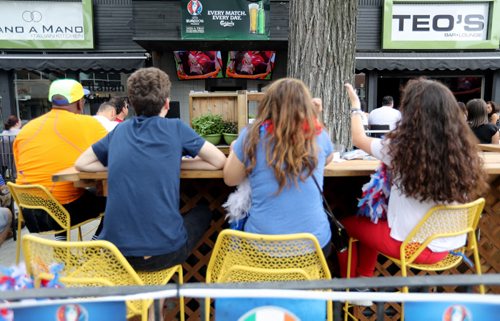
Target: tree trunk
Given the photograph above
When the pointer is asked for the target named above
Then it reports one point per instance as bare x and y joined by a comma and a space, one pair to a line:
321, 52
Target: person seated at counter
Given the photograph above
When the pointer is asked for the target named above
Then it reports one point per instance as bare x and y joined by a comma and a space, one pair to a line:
106, 115
51, 143
281, 153
433, 158
477, 116
143, 157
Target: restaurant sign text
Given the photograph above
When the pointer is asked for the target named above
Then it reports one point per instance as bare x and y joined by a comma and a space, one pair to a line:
440, 25
46, 24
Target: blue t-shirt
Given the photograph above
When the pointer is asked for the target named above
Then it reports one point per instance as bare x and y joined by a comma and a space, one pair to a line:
143, 156
295, 209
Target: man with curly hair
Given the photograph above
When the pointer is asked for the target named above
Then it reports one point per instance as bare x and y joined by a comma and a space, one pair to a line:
144, 158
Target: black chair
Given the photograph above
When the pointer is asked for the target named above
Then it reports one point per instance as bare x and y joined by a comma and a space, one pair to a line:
385, 128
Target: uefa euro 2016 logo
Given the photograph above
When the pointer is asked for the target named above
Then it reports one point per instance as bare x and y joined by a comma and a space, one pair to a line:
71, 312
457, 313
195, 7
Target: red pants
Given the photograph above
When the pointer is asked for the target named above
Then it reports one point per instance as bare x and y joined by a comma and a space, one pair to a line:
373, 239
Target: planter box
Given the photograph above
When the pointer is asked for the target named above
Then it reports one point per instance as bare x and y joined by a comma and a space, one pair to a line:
233, 106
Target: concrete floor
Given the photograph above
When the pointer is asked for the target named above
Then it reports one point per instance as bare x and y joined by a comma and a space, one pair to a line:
8, 248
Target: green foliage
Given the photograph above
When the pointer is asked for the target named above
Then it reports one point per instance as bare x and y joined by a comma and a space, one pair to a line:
208, 124
230, 127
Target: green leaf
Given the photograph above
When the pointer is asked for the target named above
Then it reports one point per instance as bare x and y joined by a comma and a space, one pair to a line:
208, 124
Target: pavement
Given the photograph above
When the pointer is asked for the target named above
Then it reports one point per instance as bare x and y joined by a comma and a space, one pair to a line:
8, 248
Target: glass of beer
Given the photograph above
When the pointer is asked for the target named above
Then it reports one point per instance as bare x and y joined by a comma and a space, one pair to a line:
253, 9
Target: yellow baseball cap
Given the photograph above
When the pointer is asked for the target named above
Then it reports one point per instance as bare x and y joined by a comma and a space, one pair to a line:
67, 91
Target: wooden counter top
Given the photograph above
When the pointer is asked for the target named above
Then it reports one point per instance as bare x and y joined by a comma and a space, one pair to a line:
346, 168
490, 147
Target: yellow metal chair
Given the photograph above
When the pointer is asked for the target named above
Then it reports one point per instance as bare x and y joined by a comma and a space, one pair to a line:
246, 257
439, 222
93, 263
39, 197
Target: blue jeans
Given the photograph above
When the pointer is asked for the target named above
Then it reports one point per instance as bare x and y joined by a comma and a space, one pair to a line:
196, 223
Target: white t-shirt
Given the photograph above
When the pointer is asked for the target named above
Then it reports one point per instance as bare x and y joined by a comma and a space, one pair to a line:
404, 213
106, 123
384, 116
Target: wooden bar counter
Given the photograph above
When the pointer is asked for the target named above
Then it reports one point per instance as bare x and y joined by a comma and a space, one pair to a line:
343, 183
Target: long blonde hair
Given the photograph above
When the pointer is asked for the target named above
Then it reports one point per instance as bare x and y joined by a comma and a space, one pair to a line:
291, 150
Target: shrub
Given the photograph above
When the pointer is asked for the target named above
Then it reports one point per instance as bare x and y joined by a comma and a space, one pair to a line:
230, 127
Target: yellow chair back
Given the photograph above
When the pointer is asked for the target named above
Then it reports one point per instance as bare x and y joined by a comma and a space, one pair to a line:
38, 197
245, 257
440, 222
92, 263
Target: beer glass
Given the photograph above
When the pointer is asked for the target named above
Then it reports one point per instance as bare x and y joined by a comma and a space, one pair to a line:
253, 9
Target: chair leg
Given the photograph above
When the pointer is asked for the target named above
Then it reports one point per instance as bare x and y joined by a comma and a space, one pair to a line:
181, 298
347, 314
329, 310
80, 237
207, 309
477, 263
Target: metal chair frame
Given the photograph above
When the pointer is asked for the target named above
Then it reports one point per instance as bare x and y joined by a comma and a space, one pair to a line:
93, 263
246, 257
38, 197
461, 219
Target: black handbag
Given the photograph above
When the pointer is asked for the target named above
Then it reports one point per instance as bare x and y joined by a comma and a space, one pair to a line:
340, 238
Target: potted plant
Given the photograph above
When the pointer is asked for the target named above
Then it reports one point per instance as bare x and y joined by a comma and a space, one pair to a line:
230, 131
209, 127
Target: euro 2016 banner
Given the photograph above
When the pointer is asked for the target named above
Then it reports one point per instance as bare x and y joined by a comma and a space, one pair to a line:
452, 311
225, 20
75, 311
267, 309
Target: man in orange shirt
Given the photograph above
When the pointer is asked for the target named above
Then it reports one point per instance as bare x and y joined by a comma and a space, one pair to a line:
53, 142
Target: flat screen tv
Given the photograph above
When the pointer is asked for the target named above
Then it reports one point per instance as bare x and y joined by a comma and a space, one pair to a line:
250, 64
192, 64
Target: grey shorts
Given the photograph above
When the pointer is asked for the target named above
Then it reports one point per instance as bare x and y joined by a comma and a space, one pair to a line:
5, 218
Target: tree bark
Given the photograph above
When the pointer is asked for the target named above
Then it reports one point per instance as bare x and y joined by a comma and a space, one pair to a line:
321, 52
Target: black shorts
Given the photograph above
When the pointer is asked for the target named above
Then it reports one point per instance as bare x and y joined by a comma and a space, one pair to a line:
86, 207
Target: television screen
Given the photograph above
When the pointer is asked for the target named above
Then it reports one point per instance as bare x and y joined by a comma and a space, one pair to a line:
192, 64
250, 64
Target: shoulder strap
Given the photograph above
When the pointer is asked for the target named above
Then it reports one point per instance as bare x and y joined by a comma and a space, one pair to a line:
328, 210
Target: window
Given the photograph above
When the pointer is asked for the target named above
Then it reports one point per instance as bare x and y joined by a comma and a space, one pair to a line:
31, 89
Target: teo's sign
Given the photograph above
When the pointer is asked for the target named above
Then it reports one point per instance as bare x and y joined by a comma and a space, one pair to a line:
441, 25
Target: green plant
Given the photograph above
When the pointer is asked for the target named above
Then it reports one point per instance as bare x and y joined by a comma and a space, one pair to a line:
230, 127
208, 124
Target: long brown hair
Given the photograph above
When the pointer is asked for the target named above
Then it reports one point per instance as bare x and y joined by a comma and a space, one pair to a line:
434, 153
291, 150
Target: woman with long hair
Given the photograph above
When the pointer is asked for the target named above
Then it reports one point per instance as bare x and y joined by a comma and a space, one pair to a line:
280, 153
477, 116
433, 159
